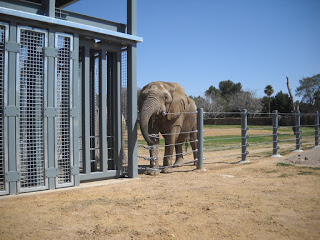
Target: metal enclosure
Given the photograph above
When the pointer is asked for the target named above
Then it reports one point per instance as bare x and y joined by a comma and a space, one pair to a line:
67, 87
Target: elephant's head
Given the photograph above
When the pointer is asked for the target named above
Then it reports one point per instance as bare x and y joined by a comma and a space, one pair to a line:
160, 99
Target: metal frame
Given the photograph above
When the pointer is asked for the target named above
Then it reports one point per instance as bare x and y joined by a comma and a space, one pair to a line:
4, 118
83, 30
45, 146
110, 58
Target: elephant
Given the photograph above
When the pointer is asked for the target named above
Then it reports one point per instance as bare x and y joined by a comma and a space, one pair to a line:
165, 107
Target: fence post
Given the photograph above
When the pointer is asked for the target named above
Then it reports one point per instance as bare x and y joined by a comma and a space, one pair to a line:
275, 127
316, 137
297, 132
244, 136
200, 138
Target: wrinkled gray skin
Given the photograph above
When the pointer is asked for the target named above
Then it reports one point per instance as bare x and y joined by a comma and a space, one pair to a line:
160, 105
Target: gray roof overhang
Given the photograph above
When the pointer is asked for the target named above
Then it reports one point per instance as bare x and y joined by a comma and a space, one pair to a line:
83, 27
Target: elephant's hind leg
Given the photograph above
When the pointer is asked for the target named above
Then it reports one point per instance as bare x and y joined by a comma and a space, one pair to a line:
193, 143
179, 155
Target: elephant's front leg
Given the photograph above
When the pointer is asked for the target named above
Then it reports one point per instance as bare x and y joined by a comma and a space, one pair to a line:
154, 150
170, 141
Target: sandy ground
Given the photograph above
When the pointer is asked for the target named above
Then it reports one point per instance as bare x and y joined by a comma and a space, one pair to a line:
260, 200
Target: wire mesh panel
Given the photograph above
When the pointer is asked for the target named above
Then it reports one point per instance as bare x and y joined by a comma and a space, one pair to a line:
3, 162
31, 128
124, 108
63, 106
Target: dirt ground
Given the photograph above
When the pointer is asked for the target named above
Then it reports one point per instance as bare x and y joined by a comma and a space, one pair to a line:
259, 200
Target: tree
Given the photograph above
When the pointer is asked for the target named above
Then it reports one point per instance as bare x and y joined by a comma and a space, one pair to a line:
269, 91
212, 91
213, 104
265, 104
245, 100
309, 90
229, 88
295, 105
281, 102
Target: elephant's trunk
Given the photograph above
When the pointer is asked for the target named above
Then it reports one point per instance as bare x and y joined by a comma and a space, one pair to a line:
149, 108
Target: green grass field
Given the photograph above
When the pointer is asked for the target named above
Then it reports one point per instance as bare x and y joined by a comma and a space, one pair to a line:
229, 136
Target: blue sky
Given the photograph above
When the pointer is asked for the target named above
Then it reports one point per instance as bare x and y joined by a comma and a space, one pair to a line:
200, 43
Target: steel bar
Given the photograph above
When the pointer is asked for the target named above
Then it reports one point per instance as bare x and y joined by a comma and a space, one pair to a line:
244, 136
200, 138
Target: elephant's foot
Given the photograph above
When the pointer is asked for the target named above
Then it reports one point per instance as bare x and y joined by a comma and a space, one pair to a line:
152, 172
166, 170
179, 162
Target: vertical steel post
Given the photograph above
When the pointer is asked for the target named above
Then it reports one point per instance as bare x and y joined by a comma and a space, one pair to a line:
244, 136
200, 138
275, 127
316, 132
51, 104
132, 17
76, 119
297, 131
132, 91
49, 7
12, 101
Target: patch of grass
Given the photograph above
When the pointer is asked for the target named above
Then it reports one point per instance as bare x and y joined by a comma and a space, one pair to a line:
285, 151
284, 175
272, 171
284, 164
305, 173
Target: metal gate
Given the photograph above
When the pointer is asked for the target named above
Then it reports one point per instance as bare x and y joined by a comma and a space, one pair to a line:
31, 125
100, 135
32, 122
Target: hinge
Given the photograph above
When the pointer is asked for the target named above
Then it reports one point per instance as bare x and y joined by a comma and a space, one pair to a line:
11, 111
50, 52
50, 112
12, 47
12, 177
73, 112
74, 55
75, 170
51, 172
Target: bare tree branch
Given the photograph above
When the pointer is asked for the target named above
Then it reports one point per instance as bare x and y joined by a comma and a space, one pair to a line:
295, 105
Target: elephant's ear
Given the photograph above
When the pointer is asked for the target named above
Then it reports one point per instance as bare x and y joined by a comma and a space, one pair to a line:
140, 98
178, 104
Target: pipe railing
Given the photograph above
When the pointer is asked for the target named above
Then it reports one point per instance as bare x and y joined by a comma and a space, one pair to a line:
279, 136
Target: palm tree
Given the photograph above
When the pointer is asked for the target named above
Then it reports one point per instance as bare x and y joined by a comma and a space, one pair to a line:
269, 91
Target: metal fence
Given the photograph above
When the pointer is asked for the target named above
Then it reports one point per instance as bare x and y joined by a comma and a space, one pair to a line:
240, 142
